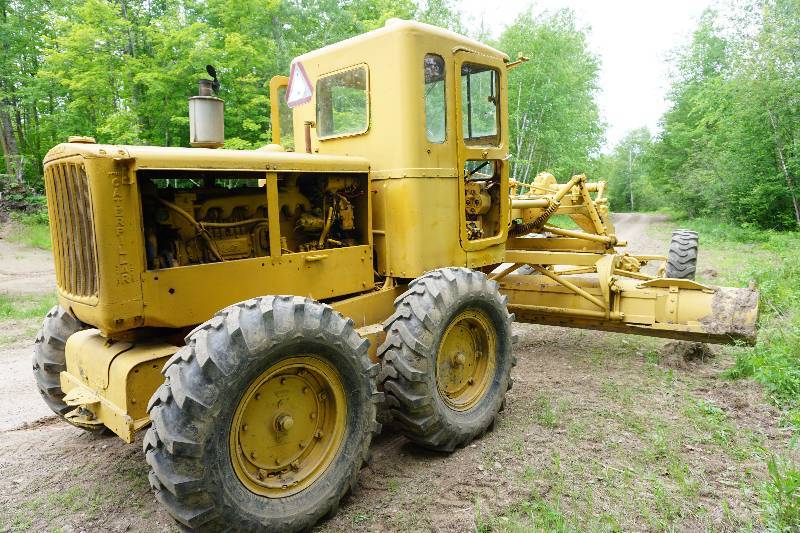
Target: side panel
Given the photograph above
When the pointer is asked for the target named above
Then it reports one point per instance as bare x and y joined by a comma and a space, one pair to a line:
416, 229
183, 296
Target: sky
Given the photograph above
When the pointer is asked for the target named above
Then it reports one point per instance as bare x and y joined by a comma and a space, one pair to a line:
633, 40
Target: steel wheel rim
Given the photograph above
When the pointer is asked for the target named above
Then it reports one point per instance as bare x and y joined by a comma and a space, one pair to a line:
465, 360
288, 427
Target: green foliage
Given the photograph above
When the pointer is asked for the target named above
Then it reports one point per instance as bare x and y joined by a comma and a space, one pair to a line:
122, 71
730, 143
769, 259
781, 497
625, 169
31, 229
553, 115
22, 307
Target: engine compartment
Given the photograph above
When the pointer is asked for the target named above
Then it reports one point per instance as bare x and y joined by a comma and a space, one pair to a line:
192, 218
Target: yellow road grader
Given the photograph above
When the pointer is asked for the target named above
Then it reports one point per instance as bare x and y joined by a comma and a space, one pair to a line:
252, 310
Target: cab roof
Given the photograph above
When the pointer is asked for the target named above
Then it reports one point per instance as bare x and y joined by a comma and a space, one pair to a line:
398, 27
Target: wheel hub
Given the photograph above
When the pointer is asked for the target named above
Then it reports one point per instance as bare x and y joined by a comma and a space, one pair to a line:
288, 427
465, 360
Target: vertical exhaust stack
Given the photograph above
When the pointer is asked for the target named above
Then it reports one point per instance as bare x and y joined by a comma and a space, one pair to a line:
207, 115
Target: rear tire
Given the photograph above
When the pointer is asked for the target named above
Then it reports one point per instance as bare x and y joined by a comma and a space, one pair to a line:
209, 469
682, 259
447, 357
49, 359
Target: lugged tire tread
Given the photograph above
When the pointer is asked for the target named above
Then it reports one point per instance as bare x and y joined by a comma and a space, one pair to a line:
177, 475
49, 358
408, 349
682, 257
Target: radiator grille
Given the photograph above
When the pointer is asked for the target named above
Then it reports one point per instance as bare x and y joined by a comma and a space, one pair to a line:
72, 228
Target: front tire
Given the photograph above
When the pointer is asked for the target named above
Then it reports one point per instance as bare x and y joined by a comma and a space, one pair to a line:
49, 360
682, 258
264, 419
447, 357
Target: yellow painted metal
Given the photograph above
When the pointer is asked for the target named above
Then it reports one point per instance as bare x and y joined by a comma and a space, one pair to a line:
580, 235
110, 382
369, 310
129, 296
530, 257
182, 296
670, 308
275, 84
418, 191
288, 426
571, 286
554, 244
482, 150
465, 360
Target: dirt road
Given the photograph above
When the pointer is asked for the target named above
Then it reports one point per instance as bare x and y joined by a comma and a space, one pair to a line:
600, 431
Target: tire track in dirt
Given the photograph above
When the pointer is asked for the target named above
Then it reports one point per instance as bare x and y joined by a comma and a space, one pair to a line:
25, 270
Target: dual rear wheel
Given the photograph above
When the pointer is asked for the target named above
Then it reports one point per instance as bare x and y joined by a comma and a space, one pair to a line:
266, 415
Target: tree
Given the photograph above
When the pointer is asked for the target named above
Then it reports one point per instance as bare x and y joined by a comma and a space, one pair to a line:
730, 143
553, 114
629, 187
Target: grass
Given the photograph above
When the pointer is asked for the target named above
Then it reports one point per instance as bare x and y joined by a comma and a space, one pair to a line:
563, 221
781, 496
770, 259
20, 307
31, 229
83, 495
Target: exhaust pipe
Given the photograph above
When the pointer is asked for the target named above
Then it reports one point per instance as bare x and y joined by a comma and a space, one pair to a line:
207, 115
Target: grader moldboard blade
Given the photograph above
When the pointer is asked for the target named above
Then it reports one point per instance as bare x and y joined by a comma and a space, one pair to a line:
668, 308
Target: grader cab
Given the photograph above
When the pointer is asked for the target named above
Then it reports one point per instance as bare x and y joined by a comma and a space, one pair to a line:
255, 308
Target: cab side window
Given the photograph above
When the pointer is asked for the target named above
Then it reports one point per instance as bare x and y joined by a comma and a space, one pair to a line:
342, 103
479, 100
435, 102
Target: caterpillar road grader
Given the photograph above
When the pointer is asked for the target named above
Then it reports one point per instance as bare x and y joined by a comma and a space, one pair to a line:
252, 310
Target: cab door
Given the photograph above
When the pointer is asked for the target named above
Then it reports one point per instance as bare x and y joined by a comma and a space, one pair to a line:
482, 146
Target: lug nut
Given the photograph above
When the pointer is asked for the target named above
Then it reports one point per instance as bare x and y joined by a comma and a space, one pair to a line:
284, 423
